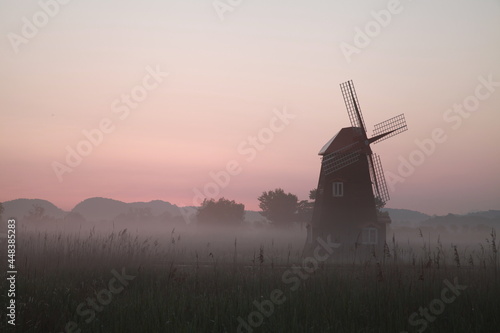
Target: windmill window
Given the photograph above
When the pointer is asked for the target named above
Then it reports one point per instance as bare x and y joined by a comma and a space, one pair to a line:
338, 189
369, 236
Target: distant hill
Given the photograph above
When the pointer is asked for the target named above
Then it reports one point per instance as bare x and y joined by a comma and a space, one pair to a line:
19, 208
92, 209
462, 220
97, 209
406, 216
157, 207
492, 214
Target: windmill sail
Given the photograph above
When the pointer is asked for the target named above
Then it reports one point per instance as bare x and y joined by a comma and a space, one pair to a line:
378, 179
352, 104
389, 128
338, 160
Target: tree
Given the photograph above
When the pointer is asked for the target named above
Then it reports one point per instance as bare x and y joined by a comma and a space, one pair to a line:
36, 213
312, 194
306, 207
305, 211
279, 207
221, 212
379, 204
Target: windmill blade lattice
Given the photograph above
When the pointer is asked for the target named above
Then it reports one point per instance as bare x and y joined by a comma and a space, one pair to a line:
393, 126
340, 158
377, 173
352, 105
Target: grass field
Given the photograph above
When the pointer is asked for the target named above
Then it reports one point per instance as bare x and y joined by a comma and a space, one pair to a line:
123, 281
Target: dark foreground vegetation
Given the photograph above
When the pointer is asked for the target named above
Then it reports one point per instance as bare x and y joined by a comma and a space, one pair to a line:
122, 282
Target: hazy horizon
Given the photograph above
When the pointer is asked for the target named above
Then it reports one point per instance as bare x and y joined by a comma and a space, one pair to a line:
69, 209
228, 81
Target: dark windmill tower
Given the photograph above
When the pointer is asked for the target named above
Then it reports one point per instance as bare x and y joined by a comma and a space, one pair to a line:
350, 181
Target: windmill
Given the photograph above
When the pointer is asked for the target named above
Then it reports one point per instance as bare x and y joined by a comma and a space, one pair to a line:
351, 180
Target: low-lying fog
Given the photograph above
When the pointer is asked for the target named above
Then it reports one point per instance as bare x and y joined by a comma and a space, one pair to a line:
251, 243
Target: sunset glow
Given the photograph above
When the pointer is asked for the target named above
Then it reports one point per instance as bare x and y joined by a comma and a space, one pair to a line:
138, 101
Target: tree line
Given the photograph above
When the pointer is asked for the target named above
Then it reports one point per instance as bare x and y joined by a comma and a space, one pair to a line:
280, 208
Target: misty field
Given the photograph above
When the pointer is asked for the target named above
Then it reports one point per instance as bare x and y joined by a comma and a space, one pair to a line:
247, 281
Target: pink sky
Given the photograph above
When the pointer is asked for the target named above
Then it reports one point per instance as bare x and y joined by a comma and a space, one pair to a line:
226, 79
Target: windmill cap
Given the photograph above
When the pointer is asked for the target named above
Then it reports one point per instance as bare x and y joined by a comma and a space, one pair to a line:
345, 137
